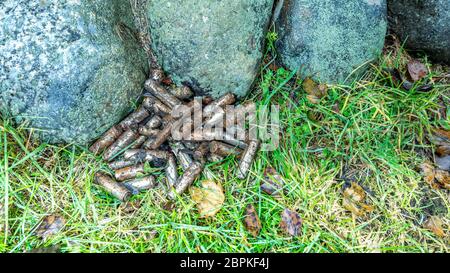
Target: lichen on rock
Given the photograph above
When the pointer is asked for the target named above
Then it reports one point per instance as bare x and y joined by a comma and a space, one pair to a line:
214, 47
329, 40
70, 69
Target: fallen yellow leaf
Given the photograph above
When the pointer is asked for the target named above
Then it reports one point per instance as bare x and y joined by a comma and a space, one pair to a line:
434, 224
436, 178
209, 198
315, 91
354, 200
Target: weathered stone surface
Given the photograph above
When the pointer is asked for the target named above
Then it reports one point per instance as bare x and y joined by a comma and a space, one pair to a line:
71, 69
212, 46
329, 39
424, 25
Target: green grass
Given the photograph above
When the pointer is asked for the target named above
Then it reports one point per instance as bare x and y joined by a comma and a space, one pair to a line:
378, 139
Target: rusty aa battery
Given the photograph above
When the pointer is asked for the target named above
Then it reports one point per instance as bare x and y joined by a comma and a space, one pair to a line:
162, 94
153, 133
206, 100
201, 151
226, 99
171, 170
189, 176
214, 119
247, 107
191, 145
131, 172
134, 118
140, 184
112, 187
209, 135
222, 149
162, 137
182, 92
140, 155
127, 138
154, 105
148, 143
139, 142
239, 133
247, 159
230, 139
157, 75
219, 115
179, 151
153, 123
120, 164
106, 140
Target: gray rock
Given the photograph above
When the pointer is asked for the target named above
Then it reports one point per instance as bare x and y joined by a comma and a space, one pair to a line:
214, 47
423, 24
70, 69
329, 39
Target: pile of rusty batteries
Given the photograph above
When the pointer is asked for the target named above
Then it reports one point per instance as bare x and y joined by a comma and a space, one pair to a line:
145, 137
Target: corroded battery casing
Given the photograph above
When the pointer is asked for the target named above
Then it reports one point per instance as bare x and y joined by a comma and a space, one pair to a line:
115, 189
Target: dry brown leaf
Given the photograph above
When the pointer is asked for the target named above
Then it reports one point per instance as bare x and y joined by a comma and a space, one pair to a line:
209, 198
355, 193
417, 70
434, 224
441, 138
443, 151
251, 221
352, 207
442, 178
50, 225
314, 90
130, 207
291, 222
273, 182
436, 178
443, 134
354, 197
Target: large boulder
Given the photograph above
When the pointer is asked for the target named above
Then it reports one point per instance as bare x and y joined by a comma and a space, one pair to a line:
214, 47
329, 39
70, 69
424, 25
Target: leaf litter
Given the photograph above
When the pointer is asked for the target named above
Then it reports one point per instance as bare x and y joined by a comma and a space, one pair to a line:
314, 90
436, 178
416, 70
130, 207
437, 174
251, 221
434, 224
273, 183
209, 198
415, 73
441, 140
291, 222
50, 226
354, 200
